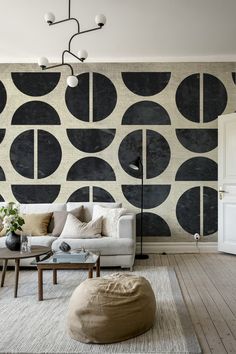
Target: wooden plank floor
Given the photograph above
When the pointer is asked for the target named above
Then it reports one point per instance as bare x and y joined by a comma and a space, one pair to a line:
208, 284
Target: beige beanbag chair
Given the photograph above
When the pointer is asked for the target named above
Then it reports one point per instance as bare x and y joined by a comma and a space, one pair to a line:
111, 309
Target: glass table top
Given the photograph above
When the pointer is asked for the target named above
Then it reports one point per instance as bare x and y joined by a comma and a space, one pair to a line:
75, 257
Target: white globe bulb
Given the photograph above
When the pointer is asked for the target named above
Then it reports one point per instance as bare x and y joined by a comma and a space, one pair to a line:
100, 20
72, 81
82, 54
49, 17
43, 62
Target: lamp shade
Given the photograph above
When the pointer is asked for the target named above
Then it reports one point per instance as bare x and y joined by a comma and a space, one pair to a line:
100, 20
136, 164
49, 17
43, 62
82, 54
72, 81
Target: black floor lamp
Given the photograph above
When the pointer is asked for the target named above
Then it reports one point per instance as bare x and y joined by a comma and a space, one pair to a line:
138, 166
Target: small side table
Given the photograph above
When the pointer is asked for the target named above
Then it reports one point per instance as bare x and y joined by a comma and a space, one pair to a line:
6, 254
91, 263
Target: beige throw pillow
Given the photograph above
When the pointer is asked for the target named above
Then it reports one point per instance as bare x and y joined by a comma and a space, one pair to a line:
110, 218
74, 228
35, 224
59, 219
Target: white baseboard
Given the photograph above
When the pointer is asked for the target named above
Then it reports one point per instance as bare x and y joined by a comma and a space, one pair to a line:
178, 247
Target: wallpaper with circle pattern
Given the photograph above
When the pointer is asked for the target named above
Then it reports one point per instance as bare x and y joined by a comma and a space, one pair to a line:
61, 144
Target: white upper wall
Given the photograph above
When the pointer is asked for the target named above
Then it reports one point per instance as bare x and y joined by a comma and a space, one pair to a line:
136, 30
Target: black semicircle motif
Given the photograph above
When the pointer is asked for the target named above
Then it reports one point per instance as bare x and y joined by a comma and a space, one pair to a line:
198, 140
153, 195
197, 169
35, 113
80, 195
3, 97
188, 210
2, 175
2, 134
22, 154
146, 83
188, 98
130, 149
91, 140
153, 225
104, 97
49, 154
77, 98
35, 84
214, 97
91, 169
234, 77
1, 199
102, 196
210, 211
158, 154
146, 113
36, 193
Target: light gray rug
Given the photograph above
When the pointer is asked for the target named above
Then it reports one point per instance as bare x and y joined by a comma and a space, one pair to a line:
29, 326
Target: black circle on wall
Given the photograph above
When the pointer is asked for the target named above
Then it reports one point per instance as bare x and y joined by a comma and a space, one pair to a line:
104, 97
157, 153
22, 154
214, 97
188, 210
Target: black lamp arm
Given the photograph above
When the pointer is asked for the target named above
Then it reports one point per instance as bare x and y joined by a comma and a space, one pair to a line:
82, 32
69, 52
56, 66
66, 20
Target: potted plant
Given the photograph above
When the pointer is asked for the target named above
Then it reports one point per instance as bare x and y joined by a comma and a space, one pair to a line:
12, 222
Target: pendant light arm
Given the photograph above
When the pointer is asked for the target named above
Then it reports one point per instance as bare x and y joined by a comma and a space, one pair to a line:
81, 32
69, 52
66, 20
56, 66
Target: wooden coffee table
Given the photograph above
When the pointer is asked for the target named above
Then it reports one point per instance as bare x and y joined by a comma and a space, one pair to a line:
6, 254
91, 263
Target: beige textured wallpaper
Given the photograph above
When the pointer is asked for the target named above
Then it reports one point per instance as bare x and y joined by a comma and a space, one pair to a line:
59, 143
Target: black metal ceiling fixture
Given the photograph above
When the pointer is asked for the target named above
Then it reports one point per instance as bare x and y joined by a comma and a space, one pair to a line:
43, 62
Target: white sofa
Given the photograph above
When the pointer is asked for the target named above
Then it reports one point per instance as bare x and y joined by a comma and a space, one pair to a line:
114, 252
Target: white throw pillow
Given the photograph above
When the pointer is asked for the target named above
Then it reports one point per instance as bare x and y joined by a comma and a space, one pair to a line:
74, 228
110, 218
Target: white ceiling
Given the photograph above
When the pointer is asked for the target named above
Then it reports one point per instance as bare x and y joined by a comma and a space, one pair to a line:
136, 30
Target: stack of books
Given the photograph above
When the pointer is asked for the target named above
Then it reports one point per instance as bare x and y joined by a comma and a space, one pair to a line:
71, 257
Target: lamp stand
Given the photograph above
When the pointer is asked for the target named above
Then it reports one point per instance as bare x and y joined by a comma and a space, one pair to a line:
141, 255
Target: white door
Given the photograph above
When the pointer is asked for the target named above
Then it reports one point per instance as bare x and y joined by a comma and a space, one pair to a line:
227, 183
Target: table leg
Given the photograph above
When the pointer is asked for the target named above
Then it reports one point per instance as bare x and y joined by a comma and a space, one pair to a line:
90, 274
98, 268
40, 284
4, 268
17, 267
54, 276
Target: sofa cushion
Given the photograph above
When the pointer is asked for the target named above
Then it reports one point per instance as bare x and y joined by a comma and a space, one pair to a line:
110, 218
74, 228
36, 224
88, 208
59, 219
104, 245
43, 208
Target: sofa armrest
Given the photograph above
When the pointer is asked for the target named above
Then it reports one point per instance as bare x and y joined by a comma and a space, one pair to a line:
127, 226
